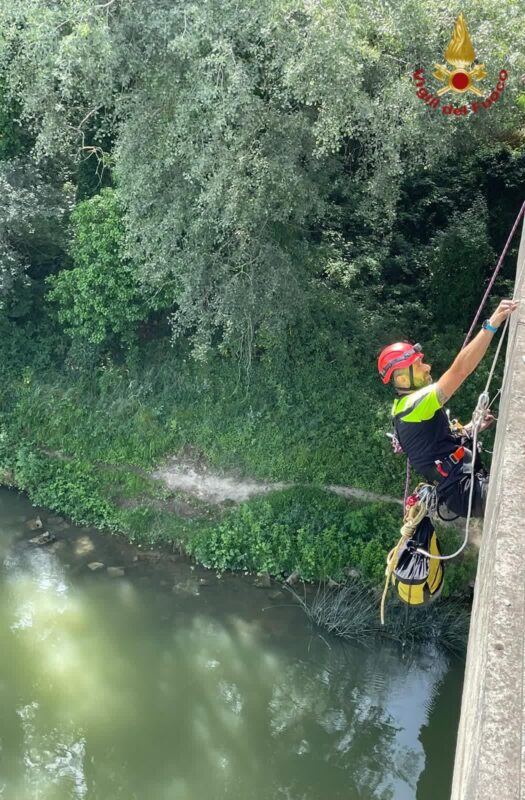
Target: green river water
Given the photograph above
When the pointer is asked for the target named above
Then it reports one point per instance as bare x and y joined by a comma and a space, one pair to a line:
169, 683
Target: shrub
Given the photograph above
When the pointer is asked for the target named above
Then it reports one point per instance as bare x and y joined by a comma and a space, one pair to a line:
101, 299
70, 487
310, 532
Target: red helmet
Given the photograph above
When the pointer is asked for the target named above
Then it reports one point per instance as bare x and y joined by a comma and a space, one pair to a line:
396, 356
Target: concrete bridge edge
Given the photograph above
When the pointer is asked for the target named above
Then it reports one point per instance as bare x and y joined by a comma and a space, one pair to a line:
490, 746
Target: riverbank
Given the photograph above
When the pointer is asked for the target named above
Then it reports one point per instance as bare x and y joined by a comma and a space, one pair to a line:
272, 478
226, 523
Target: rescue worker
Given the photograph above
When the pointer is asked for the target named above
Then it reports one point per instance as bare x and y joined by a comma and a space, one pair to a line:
421, 424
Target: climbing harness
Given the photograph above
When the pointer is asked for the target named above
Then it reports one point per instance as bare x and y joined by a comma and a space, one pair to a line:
478, 416
414, 565
453, 459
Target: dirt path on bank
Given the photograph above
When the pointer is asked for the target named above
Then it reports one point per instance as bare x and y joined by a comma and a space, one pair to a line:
210, 487
195, 479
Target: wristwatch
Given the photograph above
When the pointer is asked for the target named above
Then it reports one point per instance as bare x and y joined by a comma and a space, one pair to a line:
487, 326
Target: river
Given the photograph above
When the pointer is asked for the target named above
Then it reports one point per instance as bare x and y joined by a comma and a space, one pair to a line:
171, 683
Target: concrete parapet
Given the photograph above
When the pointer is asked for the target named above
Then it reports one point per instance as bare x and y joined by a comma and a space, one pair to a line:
490, 753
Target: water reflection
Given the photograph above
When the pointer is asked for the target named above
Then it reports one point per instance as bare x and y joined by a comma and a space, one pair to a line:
119, 687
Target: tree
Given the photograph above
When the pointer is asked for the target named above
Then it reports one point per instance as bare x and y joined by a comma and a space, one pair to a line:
247, 132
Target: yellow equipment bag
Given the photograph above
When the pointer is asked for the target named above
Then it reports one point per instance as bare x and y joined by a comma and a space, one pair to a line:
418, 578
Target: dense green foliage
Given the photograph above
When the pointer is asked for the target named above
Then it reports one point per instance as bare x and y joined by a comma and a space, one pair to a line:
14, 140
100, 299
257, 145
313, 534
307, 532
301, 420
212, 217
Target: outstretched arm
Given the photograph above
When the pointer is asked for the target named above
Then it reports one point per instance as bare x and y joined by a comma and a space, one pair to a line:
468, 359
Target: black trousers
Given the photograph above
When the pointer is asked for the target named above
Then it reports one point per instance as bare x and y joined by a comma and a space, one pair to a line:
455, 494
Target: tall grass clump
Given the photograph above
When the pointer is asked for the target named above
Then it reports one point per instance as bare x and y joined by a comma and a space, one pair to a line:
353, 615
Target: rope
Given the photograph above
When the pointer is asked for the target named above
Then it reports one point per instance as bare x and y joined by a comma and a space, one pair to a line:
495, 274
413, 516
407, 484
478, 313
491, 373
477, 418
420, 509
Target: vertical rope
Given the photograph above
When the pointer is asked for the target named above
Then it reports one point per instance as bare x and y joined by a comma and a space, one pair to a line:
495, 274
407, 484
469, 334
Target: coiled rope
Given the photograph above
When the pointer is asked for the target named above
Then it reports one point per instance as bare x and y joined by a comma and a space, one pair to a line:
413, 516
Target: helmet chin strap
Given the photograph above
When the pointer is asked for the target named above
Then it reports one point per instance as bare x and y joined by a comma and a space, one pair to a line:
412, 387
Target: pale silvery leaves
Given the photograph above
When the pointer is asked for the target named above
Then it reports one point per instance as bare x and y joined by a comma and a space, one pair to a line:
56, 60
206, 232
234, 120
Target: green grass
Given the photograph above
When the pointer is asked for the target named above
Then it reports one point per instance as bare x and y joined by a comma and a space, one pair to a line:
302, 530
318, 424
318, 536
80, 440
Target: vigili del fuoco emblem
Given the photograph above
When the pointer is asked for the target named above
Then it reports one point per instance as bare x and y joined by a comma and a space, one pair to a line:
462, 78
460, 55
